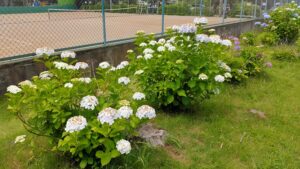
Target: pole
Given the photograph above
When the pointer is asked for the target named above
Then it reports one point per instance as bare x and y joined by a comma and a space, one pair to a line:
163, 17
224, 10
255, 6
103, 22
201, 5
242, 8
266, 5
110, 4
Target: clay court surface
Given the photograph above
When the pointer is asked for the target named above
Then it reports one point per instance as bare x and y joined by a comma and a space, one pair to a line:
23, 33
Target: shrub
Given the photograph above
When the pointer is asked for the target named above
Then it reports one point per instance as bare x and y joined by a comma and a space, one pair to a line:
248, 38
268, 38
285, 54
285, 22
253, 60
88, 118
176, 70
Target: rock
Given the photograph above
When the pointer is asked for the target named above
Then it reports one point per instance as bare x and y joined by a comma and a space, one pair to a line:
258, 113
154, 136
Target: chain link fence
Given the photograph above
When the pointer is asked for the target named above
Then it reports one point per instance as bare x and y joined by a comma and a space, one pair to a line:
68, 24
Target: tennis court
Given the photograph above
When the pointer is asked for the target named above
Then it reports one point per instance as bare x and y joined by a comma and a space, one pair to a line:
23, 33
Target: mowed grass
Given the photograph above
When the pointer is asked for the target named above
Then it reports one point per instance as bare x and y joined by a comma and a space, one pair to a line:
219, 133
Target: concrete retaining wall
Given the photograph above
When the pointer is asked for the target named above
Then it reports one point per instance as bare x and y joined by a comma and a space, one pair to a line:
12, 72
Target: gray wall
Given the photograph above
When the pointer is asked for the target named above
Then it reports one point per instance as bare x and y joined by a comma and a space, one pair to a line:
16, 71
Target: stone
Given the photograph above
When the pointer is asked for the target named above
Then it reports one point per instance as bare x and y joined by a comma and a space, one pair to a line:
154, 136
258, 113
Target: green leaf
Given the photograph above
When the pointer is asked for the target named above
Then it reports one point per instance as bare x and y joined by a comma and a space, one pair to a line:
181, 93
192, 83
99, 154
106, 157
83, 163
115, 153
170, 99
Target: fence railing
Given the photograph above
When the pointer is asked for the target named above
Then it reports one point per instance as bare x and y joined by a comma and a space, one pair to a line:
103, 22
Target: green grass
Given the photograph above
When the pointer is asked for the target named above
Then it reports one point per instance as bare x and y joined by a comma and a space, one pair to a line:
220, 133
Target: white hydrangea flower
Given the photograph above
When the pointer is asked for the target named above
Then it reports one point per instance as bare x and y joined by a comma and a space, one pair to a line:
202, 38
168, 45
104, 65
125, 112
82, 79
228, 75
138, 96
46, 75
148, 51
13, 89
226, 42
186, 28
71, 67
123, 146
161, 41
203, 76
122, 65
148, 56
219, 78
68, 54
139, 57
81, 65
107, 115
140, 31
224, 66
152, 42
124, 80
68, 85
171, 40
211, 30
45, 50
215, 39
113, 68
129, 51
27, 83
171, 48
201, 21
75, 123
145, 111
143, 44
161, 49
89, 102
20, 139
139, 72
60, 65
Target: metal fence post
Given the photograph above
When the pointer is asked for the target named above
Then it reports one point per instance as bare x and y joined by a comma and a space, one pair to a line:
103, 22
242, 8
255, 6
163, 17
224, 10
201, 5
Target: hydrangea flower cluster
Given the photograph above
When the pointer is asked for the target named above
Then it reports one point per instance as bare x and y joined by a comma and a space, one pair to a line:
68, 54
123, 80
13, 89
75, 123
186, 28
201, 21
145, 111
123, 146
104, 65
44, 51
89, 102
138, 96
46, 75
108, 115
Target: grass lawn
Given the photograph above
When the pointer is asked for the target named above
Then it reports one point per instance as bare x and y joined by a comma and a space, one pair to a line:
220, 133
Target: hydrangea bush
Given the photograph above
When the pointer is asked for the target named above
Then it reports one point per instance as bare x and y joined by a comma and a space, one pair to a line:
175, 70
91, 118
284, 21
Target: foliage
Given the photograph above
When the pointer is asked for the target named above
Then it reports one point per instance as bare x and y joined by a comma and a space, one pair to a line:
63, 105
254, 60
66, 2
285, 53
248, 38
179, 68
285, 22
268, 38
